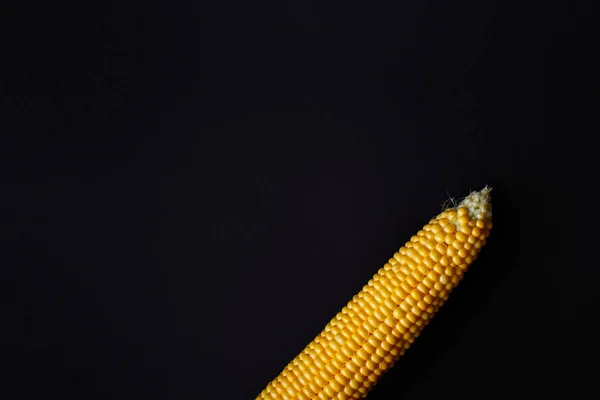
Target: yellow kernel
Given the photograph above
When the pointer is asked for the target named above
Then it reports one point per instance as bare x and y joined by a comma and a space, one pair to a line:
337, 388
400, 292
326, 375
336, 366
307, 391
391, 339
441, 249
452, 215
410, 300
406, 287
449, 238
427, 282
476, 232
423, 251
327, 393
443, 222
465, 229
358, 360
379, 315
405, 322
461, 236
389, 303
462, 211
318, 382
395, 298
457, 260
445, 261
378, 334
427, 263
352, 366
434, 275
414, 254
373, 341
384, 328
373, 320
430, 244
418, 275
372, 366
362, 353
421, 287
412, 281
439, 268
390, 321
352, 345
439, 237
435, 255
354, 384
383, 349
449, 228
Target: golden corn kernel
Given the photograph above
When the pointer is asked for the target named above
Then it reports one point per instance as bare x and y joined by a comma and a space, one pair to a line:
461, 236
450, 228
449, 238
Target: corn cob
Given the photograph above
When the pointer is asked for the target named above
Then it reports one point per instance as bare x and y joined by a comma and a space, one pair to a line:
381, 322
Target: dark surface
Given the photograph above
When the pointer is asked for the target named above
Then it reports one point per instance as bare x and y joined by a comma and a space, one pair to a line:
191, 192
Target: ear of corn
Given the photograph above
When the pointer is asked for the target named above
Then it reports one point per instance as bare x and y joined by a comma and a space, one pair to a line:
381, 322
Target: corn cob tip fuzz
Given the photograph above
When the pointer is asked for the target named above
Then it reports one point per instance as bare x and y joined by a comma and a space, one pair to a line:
479, 204
385, 317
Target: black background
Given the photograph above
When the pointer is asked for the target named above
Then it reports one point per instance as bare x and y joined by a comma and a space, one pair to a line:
191, 191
